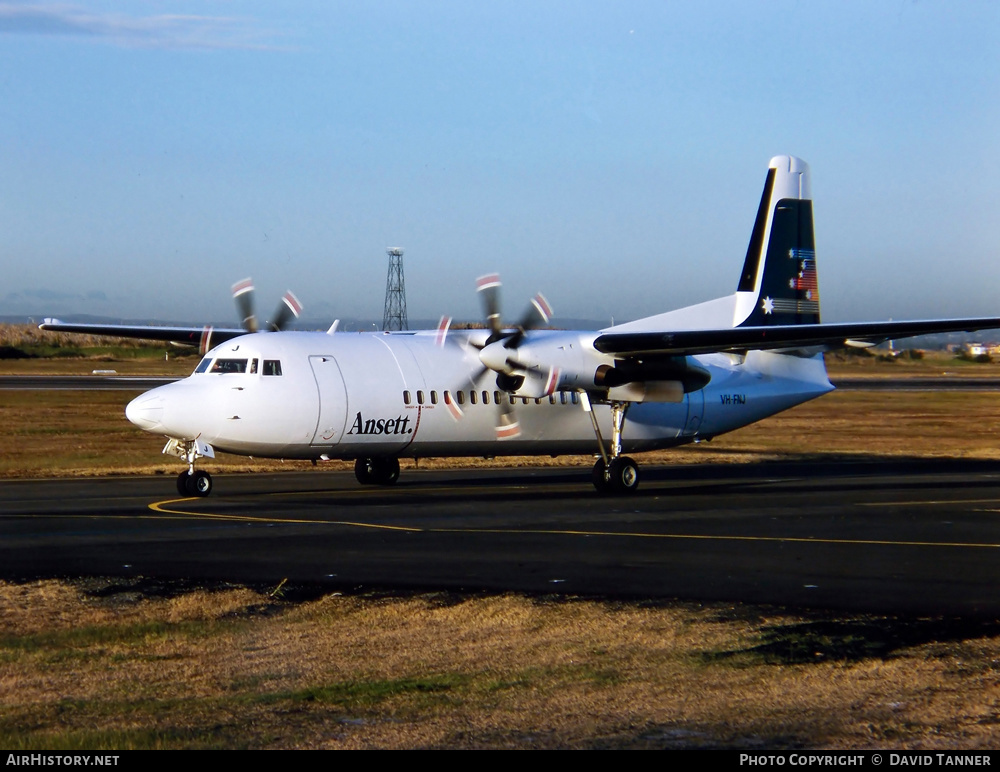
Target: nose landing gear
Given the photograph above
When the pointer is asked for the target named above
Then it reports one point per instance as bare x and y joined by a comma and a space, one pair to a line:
192, 482
197, 483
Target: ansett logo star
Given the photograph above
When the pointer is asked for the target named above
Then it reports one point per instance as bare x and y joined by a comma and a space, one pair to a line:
768, 305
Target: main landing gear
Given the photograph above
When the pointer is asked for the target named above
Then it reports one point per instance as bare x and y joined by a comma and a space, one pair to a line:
613, 473
377, 471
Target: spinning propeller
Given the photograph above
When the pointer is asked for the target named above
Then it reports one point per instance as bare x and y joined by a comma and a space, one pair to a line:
499, 352
288, 309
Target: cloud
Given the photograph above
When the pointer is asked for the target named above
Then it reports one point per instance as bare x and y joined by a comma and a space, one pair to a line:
161, 31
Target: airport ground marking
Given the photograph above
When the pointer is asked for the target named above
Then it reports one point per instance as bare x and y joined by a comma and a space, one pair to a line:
927, 503
162, 508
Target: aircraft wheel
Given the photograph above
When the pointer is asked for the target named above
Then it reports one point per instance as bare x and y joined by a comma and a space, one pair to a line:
386, 471
182, 484
377, 471
199, 484
599, 476
364, 470
624, 477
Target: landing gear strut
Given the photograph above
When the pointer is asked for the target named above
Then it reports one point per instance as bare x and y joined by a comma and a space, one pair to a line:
377, 471
613, 473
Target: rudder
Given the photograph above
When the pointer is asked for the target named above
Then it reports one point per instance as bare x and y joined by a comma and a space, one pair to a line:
779, 284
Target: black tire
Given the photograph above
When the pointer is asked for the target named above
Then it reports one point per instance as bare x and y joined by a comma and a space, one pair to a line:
182, 484
386, 471
377, 471
364, 470
599, 476
199, 484
624, 477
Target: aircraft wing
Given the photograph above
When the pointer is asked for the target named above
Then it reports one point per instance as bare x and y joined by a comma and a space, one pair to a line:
203, 337
739, 340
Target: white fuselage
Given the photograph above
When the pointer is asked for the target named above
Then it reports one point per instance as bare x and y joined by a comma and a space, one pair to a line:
357, 395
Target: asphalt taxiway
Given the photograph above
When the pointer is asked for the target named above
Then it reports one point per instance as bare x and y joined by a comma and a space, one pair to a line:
903, 537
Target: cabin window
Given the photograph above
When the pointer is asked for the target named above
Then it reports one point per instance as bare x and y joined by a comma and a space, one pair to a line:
486, 398
446, 395
229, 366
472, 398
420, 397
253, 366
562, 397
272, 367
460, 396
406, 398
552, 399
203, 365
575, 398
434, 397
496, 398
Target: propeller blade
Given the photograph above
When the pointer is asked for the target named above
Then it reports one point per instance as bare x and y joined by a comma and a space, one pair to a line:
442, 331
288, 309
551, 381
488, 287
243, 295
453, 407
538, 314
507, 427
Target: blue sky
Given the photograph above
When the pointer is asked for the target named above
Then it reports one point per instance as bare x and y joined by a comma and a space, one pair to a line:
611, 155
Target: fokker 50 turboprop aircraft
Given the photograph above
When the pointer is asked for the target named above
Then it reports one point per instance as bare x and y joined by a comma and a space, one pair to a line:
657, 382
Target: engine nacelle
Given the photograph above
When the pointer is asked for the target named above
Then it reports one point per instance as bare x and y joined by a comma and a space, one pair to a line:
552, 361
681, 370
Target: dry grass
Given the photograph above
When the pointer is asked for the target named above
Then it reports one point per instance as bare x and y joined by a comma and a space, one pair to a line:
108, 667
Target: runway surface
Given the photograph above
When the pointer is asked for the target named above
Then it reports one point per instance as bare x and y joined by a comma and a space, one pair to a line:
909, 537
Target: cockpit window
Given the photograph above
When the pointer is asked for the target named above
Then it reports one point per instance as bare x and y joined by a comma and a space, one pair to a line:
203, 365
272, 367
229, 366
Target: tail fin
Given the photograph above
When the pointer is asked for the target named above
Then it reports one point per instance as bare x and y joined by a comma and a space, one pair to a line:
778, 284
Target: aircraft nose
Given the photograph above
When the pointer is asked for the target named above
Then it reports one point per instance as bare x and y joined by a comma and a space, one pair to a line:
146, 412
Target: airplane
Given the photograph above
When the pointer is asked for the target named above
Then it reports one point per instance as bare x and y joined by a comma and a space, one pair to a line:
678, 377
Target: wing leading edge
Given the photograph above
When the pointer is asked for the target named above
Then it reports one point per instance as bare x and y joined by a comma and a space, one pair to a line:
739, 340
203, 337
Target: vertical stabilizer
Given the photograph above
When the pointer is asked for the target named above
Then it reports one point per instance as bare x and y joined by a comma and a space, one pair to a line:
778, 284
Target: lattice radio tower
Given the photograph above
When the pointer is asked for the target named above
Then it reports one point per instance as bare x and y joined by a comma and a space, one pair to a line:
394, 317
